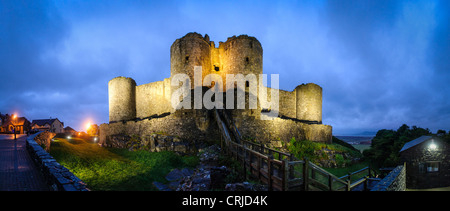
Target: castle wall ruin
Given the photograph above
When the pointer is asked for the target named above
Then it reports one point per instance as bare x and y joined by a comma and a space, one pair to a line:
147, 108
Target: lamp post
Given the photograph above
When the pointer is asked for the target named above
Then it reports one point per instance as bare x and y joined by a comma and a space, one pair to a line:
14, 119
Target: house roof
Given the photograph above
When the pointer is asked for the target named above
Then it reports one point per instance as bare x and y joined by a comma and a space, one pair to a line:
415, 142
42, 122
18, 122
69, 129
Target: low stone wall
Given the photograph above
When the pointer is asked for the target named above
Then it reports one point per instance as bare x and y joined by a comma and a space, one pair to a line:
44, 139
282, 130
188, 127
394, 181
58, 177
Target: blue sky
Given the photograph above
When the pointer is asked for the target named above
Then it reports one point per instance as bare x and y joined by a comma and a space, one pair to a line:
380, 63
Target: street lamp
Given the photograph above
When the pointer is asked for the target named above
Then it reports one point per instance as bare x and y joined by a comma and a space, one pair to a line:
14, 119
88, 125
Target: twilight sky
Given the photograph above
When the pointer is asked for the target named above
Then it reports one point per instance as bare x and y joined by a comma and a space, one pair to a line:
380, 63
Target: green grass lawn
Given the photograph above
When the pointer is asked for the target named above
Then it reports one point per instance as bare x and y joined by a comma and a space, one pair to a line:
110, 169
339, 172
361, 147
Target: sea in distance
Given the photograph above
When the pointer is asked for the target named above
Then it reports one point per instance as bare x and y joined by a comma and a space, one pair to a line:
360, 142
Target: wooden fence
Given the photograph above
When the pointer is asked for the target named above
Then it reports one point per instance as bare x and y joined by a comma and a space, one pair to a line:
281, 171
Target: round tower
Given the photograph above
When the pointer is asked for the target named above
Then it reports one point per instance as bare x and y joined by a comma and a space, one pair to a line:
189, 51
309, 102
122, 99
242, 55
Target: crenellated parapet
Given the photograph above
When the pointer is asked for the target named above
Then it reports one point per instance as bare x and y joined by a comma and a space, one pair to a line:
299, 110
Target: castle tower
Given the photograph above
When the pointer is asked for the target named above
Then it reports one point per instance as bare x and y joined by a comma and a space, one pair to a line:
189, 51
122, 99
309, 102
242, 55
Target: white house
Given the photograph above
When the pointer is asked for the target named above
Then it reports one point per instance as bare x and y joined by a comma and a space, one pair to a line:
51, 125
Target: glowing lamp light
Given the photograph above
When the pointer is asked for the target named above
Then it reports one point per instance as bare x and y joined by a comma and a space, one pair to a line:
432, 146
68, 137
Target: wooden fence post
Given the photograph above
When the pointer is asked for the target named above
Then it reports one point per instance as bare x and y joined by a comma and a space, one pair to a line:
330, 182
244, 161
365, 183
286, 175
291, 167
305, 175
269, 171
258, 166
348, 185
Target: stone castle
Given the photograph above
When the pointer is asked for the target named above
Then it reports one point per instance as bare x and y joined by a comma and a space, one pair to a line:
137, 112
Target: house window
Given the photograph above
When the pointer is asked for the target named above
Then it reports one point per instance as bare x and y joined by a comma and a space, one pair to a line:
432, 166
429, 167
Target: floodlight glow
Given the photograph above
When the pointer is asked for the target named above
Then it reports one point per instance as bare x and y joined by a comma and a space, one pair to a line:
432, 146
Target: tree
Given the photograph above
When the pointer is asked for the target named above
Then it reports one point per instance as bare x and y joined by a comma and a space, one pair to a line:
441, 133
92, 130
386, 145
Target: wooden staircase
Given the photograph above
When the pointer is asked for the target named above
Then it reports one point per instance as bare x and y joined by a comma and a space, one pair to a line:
279, 170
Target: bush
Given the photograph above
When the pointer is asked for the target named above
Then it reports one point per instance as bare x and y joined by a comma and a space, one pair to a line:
303, 149
323, 154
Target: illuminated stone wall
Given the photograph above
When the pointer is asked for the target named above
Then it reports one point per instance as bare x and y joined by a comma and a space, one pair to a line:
145, 108
153, 98
193, 126
282, 130
287, 102
199, 126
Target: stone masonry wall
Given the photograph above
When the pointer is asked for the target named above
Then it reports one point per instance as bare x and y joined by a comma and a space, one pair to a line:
58, 177
282, 130
152, 98
394, 181
191, 126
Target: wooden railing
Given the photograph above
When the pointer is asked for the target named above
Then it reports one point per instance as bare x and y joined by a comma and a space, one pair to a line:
280, 170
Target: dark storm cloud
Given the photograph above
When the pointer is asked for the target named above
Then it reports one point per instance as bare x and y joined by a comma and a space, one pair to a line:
27, 30
34, 82
393, 81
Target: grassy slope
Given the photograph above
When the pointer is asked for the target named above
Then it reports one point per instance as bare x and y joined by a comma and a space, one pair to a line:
116, 169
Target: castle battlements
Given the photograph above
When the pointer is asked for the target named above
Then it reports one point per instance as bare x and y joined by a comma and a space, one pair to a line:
238, 55
299, 110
